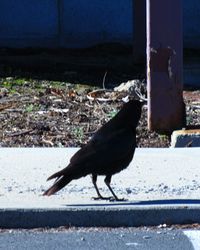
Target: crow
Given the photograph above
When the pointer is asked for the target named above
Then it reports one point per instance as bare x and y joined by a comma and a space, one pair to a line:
109, 151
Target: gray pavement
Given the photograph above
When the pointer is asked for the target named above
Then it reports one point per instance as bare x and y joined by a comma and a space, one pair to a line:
161, 185
101, 239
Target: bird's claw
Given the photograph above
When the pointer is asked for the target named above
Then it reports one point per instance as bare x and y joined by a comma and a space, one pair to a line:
117, 199
101, 198
111, 198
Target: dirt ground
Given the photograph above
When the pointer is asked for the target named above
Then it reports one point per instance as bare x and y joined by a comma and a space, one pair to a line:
39, 114
40, 109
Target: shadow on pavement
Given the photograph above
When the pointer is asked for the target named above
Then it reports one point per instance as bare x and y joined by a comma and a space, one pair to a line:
183, 202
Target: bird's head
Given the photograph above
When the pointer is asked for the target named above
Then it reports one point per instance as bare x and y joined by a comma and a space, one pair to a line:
131, 112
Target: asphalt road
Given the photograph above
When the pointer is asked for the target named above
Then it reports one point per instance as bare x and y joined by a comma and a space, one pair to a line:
100, 238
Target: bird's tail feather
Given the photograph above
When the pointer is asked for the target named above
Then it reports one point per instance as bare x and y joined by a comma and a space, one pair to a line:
63, 177
59, 184
57, 174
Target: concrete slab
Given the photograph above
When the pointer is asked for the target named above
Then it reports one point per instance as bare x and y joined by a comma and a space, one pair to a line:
161, 185
186, 138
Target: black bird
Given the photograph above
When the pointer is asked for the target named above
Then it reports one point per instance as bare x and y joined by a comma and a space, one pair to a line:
108, 152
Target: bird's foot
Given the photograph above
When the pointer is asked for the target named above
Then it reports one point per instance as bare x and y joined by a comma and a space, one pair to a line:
117, 199
102, 198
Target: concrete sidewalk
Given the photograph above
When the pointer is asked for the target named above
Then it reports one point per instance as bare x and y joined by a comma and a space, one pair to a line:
161, 185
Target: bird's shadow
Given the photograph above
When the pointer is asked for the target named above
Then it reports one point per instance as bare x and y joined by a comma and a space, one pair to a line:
140, 203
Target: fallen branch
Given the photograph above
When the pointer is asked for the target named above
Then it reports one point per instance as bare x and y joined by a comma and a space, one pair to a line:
21, 133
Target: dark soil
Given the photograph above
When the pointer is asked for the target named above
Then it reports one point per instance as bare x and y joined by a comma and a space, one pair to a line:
44, 103
39, 113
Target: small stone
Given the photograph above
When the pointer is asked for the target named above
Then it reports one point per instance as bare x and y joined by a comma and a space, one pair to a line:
162, 226
128, 190
146, 237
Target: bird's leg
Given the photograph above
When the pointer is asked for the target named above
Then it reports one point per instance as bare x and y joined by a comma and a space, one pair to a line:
94, 181
107, 181
99, 196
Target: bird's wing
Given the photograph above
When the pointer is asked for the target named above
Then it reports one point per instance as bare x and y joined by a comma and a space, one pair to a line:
102, 151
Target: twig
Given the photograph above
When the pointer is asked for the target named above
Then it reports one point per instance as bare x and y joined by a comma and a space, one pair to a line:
7, 106
21, 133
104, 79
47, 142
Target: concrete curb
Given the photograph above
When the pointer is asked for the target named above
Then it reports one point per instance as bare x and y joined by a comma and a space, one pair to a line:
130, 216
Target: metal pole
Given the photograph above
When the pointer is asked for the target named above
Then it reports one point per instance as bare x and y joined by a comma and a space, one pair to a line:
164, 65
